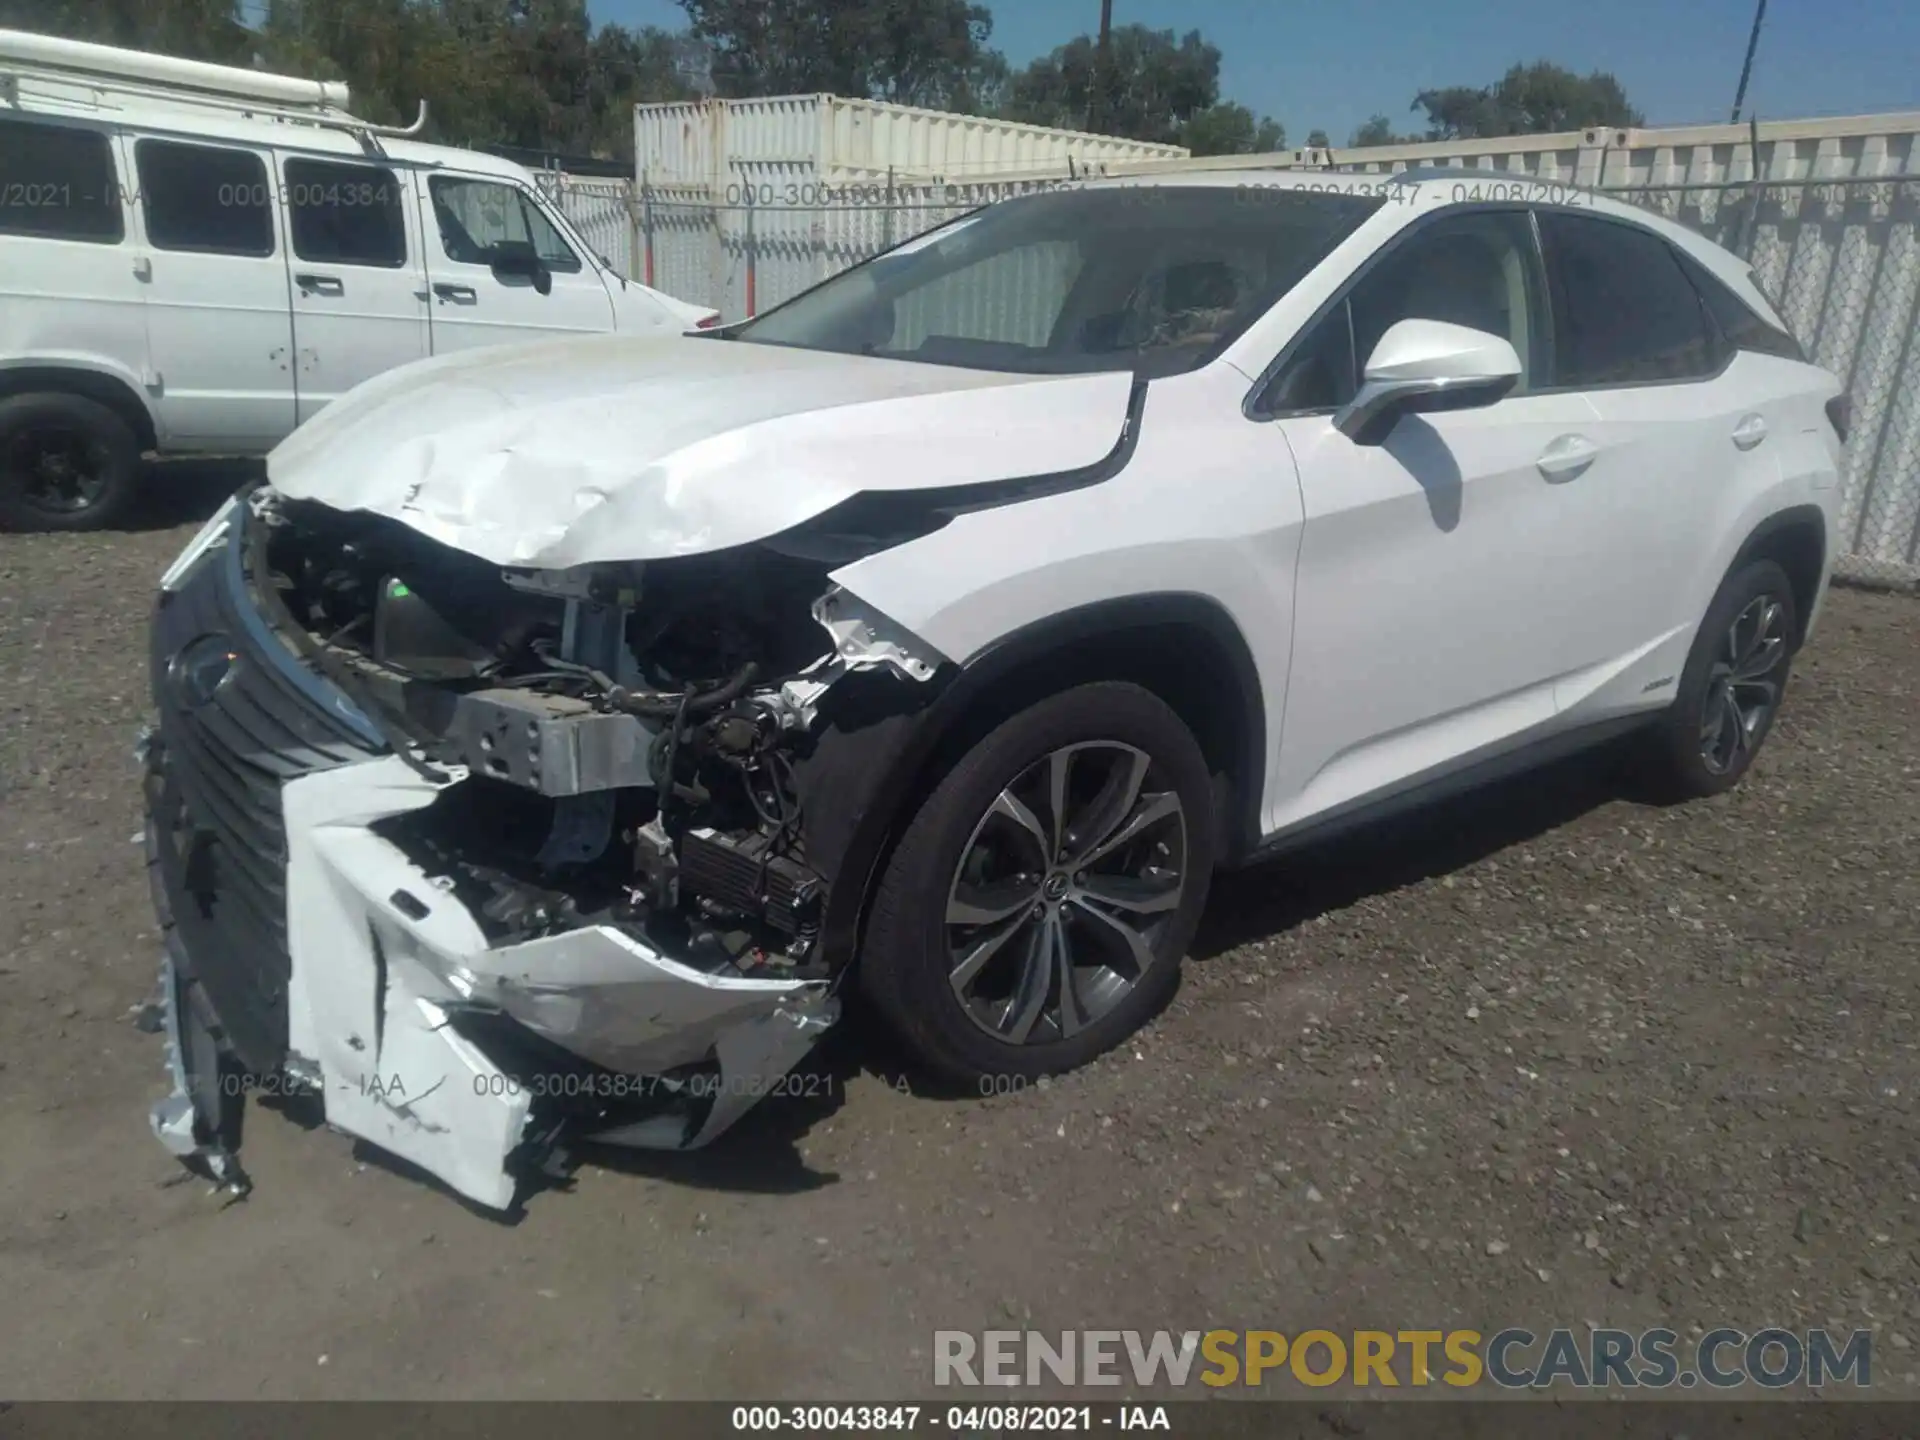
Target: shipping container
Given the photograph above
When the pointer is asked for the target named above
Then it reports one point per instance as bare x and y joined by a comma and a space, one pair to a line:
782, 144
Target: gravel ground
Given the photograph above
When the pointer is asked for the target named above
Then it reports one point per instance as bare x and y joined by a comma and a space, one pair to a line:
1543, 1056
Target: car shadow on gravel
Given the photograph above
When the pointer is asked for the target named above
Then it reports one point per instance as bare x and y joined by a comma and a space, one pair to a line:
186, 492
1423, 844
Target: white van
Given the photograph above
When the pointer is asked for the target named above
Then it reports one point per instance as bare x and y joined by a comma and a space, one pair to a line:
195, 259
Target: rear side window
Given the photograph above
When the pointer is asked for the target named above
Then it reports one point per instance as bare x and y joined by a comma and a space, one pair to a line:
1739, 325
58, 183
1627, 314
345, 214
205, 198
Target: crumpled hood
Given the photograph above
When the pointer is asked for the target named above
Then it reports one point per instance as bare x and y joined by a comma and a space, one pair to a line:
611, 448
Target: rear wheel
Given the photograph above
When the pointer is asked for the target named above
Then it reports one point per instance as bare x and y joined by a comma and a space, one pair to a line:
1731, 688
66, 463
1037, 907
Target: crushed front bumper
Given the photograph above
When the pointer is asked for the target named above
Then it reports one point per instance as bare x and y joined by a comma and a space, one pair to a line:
407, 1022
305, 950
386, 963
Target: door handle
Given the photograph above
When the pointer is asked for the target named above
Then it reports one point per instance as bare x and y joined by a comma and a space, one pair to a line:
459, 294
1567, 457
1749, 432
320, 284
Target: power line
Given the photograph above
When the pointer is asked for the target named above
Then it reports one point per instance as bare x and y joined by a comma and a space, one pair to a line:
1746, 70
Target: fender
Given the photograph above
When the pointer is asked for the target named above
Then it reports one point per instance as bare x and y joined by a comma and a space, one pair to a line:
93, 376
874, 757
1760, 539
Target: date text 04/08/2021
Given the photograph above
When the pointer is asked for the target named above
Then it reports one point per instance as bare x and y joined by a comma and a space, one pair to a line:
951, 1419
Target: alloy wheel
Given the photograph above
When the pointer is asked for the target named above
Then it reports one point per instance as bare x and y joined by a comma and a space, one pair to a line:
1064, 890
1743, 687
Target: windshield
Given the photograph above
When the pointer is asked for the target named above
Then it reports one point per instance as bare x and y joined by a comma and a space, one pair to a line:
1154, 279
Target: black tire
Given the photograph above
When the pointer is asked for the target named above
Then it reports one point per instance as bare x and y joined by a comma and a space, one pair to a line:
1682, 762
66, 463
905, 961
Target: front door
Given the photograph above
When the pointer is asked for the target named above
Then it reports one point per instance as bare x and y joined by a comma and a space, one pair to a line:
480, 235
1429, 564
358, 278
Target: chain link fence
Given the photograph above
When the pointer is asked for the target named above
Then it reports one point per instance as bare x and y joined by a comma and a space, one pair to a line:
1839, 257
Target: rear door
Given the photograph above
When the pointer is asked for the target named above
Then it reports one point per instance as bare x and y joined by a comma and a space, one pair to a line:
219, 328
358, 280
1672, 430
477, 229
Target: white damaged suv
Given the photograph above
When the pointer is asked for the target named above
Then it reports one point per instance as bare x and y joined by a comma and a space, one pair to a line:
546, 746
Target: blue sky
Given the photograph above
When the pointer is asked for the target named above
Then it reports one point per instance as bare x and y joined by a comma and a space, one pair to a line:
1332, 65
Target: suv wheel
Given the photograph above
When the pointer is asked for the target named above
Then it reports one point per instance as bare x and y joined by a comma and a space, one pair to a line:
1036, 909
66, 463
1731, 688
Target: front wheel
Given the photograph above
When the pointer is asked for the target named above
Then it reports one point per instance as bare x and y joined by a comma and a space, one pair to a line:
1036, 909
66, 463
1731, 689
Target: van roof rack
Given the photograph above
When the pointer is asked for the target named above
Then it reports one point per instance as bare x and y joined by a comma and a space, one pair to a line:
142, 73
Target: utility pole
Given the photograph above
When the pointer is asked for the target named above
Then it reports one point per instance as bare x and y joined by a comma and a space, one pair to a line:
1097, 102
1746, 70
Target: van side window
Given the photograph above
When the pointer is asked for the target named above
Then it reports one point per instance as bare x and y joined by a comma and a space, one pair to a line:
58, 183
479, 218
346, 214
205, 198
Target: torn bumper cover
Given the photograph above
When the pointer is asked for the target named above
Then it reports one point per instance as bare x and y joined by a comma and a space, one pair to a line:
387, 965
432, 1045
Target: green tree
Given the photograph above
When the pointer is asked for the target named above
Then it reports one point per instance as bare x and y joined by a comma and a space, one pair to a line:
195, 29
1230, 129
932, 52
1379, 131
1318, 140
534, 73
1537, 99
1155, 84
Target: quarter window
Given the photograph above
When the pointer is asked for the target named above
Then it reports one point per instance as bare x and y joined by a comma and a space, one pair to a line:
205, 198
1739, 325
345, 214
1626, 312
58, 183
480, 220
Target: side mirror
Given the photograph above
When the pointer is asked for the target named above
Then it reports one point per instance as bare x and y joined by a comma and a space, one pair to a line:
517, 260
1422, 366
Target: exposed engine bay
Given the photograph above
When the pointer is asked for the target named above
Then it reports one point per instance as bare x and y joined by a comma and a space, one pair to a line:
496, 858
630, 732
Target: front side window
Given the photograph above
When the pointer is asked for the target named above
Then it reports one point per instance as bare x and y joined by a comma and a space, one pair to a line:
1153, 279
346, 214
1626, 314
58, 183
482, 221
1475, 270
205, 198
